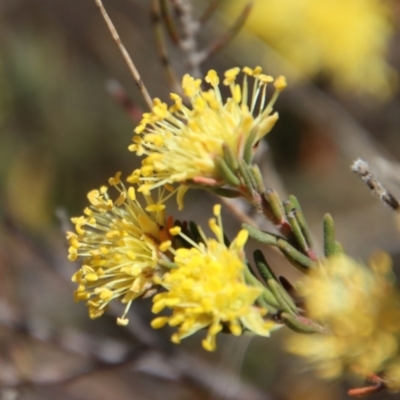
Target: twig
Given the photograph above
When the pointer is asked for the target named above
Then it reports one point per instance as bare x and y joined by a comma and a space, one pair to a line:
235, 206
377, 385
125, 55
212, 6
119, 94
94, 369
223, 41
190, 27
169, 22
161, 45
361, 168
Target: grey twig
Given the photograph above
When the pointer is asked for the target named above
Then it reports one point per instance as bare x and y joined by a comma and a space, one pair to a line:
361, 168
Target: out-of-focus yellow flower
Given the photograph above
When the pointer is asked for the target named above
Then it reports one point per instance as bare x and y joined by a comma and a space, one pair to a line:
345, 39
181, 142
118, 245
361, 311
208, 289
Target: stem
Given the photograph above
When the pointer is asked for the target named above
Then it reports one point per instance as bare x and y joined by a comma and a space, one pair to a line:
125, 55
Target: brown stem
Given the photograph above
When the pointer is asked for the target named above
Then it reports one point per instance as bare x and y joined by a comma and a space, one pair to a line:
223, 41
125, 55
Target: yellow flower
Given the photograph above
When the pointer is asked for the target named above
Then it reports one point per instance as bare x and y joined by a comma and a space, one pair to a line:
182, 142
118, 245
208, 290
361, 311
345, 39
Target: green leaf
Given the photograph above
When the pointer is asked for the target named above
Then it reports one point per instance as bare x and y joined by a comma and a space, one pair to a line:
301, 220
249, 145
247, 176
275, 206
227, 174
262, 266
230, 157
299, 260
301, 324
331, 246
260, 236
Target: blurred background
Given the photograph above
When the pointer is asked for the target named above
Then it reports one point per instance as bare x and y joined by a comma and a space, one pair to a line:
68, 106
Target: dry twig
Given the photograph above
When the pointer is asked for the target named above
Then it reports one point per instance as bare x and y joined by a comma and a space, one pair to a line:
125, 55
361, 168
224, 40
156, 16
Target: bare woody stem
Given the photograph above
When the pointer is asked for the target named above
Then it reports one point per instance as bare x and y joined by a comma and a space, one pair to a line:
212, 6
361, 168
125, 54
157, 15
216, 46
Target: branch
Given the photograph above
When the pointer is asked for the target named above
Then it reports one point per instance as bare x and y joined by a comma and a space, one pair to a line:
223, 41
125, 55
208, 12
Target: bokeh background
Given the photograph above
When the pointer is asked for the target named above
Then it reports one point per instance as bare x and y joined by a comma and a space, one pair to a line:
64, 132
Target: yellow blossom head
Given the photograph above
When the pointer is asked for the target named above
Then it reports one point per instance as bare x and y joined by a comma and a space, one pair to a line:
208, 290
361, 311
118, 244
182, 142
346, 40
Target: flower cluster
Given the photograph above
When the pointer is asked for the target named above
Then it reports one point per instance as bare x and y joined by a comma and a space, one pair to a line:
123, 247
208, 289
119, 243
181, 142
129, 250
361, 311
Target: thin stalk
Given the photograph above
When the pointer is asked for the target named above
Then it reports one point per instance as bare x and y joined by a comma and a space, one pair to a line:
132, 68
